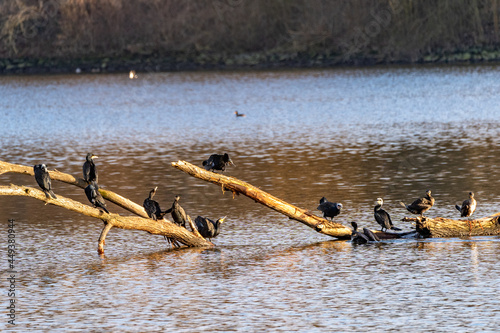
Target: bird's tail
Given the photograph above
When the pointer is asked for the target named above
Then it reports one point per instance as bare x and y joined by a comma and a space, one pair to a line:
458, 208
395, 229
402, 204
52, 194
105, 209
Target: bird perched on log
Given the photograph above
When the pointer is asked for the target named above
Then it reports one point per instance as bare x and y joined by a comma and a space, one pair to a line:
329, 209
152, 207
239, 114
467, 209
421, 205
178, 214
382, 217
217, 162
95, 198
362, 237
42, 177
208, 228
89, 169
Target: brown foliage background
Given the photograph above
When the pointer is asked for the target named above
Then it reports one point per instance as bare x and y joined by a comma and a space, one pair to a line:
384, 29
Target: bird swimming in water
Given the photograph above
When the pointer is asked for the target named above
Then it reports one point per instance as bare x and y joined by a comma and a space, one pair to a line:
208, 228
152, 207
329, 209
42, 177
217, 162
467, 209
178, 214
420, 205
95, 198
239, 114
362, 237
89, 169
382, 217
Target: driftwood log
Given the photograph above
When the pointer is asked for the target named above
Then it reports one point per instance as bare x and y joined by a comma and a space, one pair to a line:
426, 227
140, 222
237, 186
442, 227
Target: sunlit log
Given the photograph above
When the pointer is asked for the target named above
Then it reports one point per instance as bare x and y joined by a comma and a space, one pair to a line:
443, 227
237, 186
160, 227
117, 199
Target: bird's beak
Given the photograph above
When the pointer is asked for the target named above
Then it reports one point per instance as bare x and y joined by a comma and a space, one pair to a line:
231, 162
222, 219
95, 156
156, 188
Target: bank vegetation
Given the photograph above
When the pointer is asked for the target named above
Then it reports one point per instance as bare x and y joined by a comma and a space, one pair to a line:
107, 35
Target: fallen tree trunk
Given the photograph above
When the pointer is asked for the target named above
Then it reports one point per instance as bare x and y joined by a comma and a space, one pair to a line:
160, 227
142, 222
442, 227
117, 199
237, 186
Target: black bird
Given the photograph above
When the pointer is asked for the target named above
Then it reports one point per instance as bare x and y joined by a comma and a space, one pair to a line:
371, 236
239, 114
43, 179
421, 205
329, 209
356, 236
152, 207
208, 228
178, 214
382, 217
95, 198
89, 169
467, 209
362, 237
217, 162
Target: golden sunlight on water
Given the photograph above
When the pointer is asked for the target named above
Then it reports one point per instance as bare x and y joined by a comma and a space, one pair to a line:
351, 135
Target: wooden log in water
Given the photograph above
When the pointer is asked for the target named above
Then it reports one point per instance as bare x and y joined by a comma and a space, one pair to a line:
237, 186
160, 227
115, 198
443, 227
141, 222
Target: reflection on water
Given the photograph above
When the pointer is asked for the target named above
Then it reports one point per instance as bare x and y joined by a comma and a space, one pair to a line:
351, 135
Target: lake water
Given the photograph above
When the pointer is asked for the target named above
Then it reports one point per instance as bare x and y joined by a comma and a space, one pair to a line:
351, 135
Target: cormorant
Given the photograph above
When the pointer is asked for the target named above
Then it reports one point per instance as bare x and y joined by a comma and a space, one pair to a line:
95, 198
467, 209
468, 206
382, 217
371, 236
239, 114
217, 162
208, 228
421, 205
152, 207
178, 214
89, 169
329, 209
43, 179
356, 236
362, 237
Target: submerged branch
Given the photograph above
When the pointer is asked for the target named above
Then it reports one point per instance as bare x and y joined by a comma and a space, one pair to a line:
237, 186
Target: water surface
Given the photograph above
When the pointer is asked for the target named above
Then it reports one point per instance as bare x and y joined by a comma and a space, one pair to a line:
351, 135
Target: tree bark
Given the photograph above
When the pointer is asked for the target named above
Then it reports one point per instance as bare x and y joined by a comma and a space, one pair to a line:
237, 186
442, 227
117, 199
143, 222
